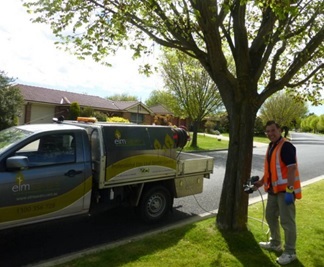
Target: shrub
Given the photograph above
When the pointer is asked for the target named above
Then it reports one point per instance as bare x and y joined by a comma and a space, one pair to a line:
117, 119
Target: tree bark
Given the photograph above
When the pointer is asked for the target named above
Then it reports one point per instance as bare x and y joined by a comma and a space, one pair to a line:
232, 212
194, 134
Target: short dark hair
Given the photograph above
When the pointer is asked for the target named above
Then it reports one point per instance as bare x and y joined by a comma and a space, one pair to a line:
272, 122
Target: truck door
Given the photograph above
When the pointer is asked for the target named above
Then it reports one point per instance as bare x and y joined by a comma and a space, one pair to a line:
46, 178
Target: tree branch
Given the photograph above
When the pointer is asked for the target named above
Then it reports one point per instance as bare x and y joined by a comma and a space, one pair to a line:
305, 54
241, 55
275, 61
300, 60
292, 85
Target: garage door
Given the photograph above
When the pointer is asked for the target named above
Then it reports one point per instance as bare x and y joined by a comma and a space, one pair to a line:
41, 113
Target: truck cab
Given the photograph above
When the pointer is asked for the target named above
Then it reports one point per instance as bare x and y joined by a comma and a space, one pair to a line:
44, 173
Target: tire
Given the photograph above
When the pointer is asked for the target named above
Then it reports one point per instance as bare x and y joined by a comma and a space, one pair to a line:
155, 204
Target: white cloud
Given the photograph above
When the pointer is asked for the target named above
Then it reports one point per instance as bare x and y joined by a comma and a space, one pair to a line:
28, 53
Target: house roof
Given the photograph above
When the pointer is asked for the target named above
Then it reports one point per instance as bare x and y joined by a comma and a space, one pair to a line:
52, 96
132, 105
159, 109
126, 104
59, 97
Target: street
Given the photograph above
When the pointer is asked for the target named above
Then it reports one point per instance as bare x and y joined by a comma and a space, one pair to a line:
34, 243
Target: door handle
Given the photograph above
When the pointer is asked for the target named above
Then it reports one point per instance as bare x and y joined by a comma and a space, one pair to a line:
72, 173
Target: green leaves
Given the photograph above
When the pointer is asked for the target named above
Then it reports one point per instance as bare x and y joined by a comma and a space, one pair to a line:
284, 109
11, 102
196, 93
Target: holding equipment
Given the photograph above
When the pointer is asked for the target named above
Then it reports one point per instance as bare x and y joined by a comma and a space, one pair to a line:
248, 186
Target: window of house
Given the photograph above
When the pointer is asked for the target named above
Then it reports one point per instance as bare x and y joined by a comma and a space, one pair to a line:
137, 118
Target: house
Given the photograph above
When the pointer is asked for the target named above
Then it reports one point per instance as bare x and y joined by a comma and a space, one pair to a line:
42, 104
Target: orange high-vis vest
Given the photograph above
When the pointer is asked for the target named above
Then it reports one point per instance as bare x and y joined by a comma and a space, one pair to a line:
279, 172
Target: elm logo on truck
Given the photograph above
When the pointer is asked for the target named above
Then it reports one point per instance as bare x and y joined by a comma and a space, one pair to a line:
20, 186
118, 138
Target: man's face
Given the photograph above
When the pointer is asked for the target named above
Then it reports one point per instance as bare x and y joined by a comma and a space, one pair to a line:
273, 133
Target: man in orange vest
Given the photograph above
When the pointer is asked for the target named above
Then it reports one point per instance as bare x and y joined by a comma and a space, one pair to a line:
281, 182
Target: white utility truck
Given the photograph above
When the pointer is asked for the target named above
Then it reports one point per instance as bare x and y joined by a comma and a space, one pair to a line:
50, 171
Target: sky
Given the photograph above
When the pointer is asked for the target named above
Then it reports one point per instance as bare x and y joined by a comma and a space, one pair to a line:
28, 54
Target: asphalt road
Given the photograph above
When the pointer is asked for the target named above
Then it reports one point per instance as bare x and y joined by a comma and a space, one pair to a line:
32, 244
310, 155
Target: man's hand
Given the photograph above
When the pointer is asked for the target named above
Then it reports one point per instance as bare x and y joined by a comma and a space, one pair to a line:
289, 198
257, 184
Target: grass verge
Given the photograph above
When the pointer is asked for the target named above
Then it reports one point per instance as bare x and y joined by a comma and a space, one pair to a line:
206, 142
202, 244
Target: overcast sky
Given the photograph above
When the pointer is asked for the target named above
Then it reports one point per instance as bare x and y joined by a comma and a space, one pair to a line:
28, 53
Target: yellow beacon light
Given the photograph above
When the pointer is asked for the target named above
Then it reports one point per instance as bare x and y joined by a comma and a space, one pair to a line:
87, 119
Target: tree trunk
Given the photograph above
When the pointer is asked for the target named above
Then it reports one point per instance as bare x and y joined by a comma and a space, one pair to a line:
194, 134
232, 213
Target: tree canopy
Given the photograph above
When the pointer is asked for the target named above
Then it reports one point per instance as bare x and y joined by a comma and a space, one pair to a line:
164, 98
11, 102
273, 45
122, 97
284, 109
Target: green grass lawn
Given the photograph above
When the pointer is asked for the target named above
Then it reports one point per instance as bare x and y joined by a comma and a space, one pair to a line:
206, 142
202, 244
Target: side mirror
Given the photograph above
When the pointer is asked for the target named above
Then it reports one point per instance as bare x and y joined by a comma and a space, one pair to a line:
17, 163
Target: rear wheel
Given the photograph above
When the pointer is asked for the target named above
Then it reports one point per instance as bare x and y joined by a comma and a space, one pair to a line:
155, 203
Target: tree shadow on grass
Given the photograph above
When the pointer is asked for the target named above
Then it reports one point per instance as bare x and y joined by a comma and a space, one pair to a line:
136, 251
247, 251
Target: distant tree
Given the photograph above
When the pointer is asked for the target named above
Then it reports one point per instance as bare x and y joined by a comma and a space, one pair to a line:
75, 111
11, 102
307, 124
166, 99
122, 97
284, 109
224, 124
313, 123
157, 97
320, 124
192, 87
304, 125
258, 127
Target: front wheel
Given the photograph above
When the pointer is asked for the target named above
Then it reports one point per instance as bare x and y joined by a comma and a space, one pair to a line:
155, 204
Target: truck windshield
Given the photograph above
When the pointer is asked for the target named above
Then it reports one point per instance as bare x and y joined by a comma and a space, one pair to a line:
10, 136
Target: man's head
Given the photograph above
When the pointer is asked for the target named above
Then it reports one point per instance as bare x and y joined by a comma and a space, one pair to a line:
273, 131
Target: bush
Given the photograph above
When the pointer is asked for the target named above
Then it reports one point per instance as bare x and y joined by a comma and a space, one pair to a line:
87, 112
100, 116
117, 119
74, 111
210, 126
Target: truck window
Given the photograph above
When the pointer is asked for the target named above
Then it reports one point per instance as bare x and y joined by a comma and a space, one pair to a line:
49, 149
